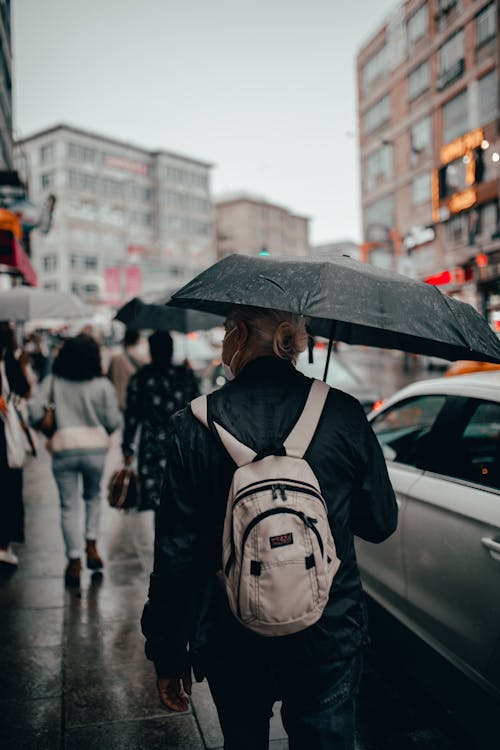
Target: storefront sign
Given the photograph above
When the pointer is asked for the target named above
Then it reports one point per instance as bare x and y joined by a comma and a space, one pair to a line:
460, 146
126, 164
462, 201
418, 236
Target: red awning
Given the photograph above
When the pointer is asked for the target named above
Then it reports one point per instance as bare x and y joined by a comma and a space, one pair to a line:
13, 255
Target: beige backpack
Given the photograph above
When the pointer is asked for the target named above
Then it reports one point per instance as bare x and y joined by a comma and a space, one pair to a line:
278, 553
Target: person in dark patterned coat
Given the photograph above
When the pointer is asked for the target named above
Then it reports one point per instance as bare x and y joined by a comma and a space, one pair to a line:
155, 392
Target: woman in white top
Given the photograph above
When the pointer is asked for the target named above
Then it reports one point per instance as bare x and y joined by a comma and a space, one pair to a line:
86, 413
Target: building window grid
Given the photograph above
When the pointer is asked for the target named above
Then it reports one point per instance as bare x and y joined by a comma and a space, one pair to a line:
486, 24
417, 24
421, 189
419, 80
47, 153
375, 66
50, 262
79, 152
47, 180
455, 117
488, 97
451, 58
421, 135
377, 114
378, 167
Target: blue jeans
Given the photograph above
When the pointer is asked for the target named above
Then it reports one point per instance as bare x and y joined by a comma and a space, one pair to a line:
318, 701
67, 472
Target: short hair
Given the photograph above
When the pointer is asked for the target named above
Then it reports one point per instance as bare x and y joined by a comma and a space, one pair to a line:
79, 359
131, 337
161, 347
271, 331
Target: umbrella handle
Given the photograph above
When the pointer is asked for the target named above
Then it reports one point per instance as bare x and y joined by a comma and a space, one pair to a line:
330, 346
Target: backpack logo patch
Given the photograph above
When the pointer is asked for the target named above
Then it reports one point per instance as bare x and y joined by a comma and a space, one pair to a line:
281, 540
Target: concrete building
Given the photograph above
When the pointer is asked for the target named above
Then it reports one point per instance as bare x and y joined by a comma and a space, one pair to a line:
128, 221
6, 148
430, 144
250, 225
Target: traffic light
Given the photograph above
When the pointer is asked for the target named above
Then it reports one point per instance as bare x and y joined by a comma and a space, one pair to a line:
264, 251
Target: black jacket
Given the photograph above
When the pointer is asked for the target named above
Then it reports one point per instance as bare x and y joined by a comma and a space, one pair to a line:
260, 407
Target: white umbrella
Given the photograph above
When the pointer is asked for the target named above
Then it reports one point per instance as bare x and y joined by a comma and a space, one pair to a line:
24, 303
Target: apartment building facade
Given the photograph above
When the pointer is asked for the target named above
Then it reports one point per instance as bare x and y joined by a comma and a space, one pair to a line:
128, 221
250, 225
430, 145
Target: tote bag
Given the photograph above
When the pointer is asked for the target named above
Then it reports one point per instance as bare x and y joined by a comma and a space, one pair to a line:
15, 437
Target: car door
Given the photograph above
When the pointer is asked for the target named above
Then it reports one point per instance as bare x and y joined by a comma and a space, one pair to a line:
452, 541
399, 428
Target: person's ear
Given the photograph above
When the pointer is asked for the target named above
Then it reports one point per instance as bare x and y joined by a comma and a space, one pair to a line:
243, 334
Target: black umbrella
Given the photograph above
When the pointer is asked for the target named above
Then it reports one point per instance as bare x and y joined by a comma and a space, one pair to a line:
347, 301
141, 315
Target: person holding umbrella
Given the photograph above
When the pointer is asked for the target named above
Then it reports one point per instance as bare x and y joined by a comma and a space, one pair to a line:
187, 622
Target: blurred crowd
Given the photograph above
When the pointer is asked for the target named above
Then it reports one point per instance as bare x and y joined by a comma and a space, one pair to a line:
71, 393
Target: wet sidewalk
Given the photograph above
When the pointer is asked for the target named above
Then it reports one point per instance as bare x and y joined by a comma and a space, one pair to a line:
73, 672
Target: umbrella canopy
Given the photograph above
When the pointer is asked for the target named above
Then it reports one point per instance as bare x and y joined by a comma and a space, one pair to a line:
24, 303
347, 301
140, 315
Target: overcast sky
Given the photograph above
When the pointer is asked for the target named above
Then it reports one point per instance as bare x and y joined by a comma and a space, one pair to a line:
264, 89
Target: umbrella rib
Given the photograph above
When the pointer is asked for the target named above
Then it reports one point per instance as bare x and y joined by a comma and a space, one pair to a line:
272, 281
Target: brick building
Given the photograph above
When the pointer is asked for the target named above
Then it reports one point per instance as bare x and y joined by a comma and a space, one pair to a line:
430, 145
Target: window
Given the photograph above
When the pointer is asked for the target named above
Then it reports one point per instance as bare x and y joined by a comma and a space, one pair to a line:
488, 98
73, 261
375, 66
47, 180
379, 113
82, 181
419, 80
78, 152
51, 286
379, 214
455, 117
451, 60
400, 430
452, 178
480, 446
89, 262
456, 230
47, 153
378, 167
421, 189
417, 24
485, 25
421, 136
50, 263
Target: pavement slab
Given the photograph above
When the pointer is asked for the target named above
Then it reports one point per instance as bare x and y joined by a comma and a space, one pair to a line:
30, 725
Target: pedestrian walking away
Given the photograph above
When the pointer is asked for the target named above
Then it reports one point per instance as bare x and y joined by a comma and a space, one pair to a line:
122, 366
11, 480
288, 622
86, 413
156, 392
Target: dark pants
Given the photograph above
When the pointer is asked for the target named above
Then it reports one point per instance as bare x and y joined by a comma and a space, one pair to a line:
318, 701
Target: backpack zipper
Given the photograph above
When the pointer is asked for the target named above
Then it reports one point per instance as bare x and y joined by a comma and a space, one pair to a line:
282, 489
277, 479
308, 522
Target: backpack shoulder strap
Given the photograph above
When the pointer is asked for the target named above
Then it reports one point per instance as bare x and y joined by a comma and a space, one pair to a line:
240, 453
300, 437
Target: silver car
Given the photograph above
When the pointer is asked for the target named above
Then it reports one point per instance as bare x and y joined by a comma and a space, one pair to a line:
439, 574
